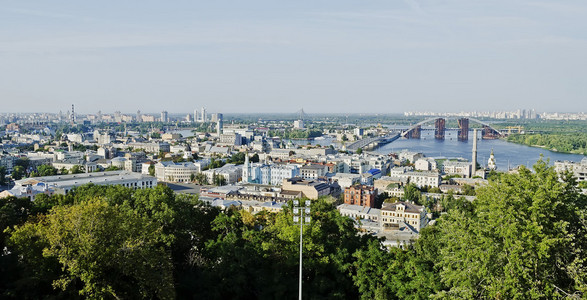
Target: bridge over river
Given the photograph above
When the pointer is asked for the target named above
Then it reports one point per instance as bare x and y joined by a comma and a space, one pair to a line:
373, 142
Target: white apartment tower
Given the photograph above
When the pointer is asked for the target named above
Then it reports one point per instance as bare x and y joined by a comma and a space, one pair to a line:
219, 124
203, 116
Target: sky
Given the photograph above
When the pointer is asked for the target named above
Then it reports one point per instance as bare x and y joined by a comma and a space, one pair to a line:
336, 56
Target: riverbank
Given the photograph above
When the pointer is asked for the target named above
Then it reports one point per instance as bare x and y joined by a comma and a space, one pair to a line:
559, 143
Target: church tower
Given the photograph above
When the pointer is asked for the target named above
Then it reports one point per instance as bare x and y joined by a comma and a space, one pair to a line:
491, 165
247, 169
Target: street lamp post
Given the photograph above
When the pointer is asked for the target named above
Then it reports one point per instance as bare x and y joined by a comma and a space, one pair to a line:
301, 217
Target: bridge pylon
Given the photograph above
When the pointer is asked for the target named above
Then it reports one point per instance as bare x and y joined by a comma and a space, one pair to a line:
463, 129
440, 127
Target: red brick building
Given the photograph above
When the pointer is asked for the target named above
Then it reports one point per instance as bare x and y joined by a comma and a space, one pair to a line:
360, 195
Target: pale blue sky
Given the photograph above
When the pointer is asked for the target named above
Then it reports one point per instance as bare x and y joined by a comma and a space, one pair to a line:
338, 56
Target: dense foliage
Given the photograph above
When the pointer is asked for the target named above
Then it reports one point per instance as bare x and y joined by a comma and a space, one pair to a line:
295, 134
523, 238
115, 242
571, 143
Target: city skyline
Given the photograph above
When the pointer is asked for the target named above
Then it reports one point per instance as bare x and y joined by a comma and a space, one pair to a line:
266, 57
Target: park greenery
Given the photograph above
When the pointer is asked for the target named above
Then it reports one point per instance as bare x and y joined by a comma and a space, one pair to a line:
560, 142
524, 237
295, 134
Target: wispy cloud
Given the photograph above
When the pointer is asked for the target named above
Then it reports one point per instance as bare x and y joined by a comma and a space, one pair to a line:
48, 14
104, 41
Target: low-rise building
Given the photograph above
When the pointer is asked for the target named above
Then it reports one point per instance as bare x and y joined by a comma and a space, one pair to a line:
154, 147
346, 180
425, 164
231, 173
419, 178
358, 212
313, 171
230, 139
411, 214
579, 170
175, 172
62, 184
461, 168
360, 195
311, 189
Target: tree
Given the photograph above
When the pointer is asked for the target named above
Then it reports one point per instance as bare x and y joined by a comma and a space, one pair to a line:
412, 193
251, 251
152, 169
360, 151
110, 168
18, 172
77, 169
46, 170
201, 179
218, 179
255, 158
23, 162
111, 251
523, 238
3, 175
63, 171
469, 190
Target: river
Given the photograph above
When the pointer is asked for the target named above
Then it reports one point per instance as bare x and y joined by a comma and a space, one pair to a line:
505, 152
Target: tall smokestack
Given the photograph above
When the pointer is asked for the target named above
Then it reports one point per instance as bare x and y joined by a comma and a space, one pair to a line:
474, 160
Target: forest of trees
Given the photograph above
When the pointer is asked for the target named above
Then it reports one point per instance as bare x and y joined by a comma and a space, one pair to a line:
523, 238
295, 134
560, 142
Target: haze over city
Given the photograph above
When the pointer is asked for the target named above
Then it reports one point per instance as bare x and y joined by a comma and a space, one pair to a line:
268, 56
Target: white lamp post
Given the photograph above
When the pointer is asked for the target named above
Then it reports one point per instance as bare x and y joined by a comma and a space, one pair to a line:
301, 217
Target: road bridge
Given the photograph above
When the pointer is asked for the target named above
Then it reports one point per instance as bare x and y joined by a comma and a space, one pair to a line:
373, 142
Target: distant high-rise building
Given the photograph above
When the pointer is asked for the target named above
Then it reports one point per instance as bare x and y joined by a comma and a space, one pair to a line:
219, 124
299, 124
203, 116
72, 117
138, 115
196, 115
164, 117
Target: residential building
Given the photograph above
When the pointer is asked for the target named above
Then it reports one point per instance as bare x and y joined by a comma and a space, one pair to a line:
346, 180
360, 195
313, 171
273, 174
457, 168
154, 147
403, 212
310, 189
579, 170
230, 139
358, 212
419, 178
231, 173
